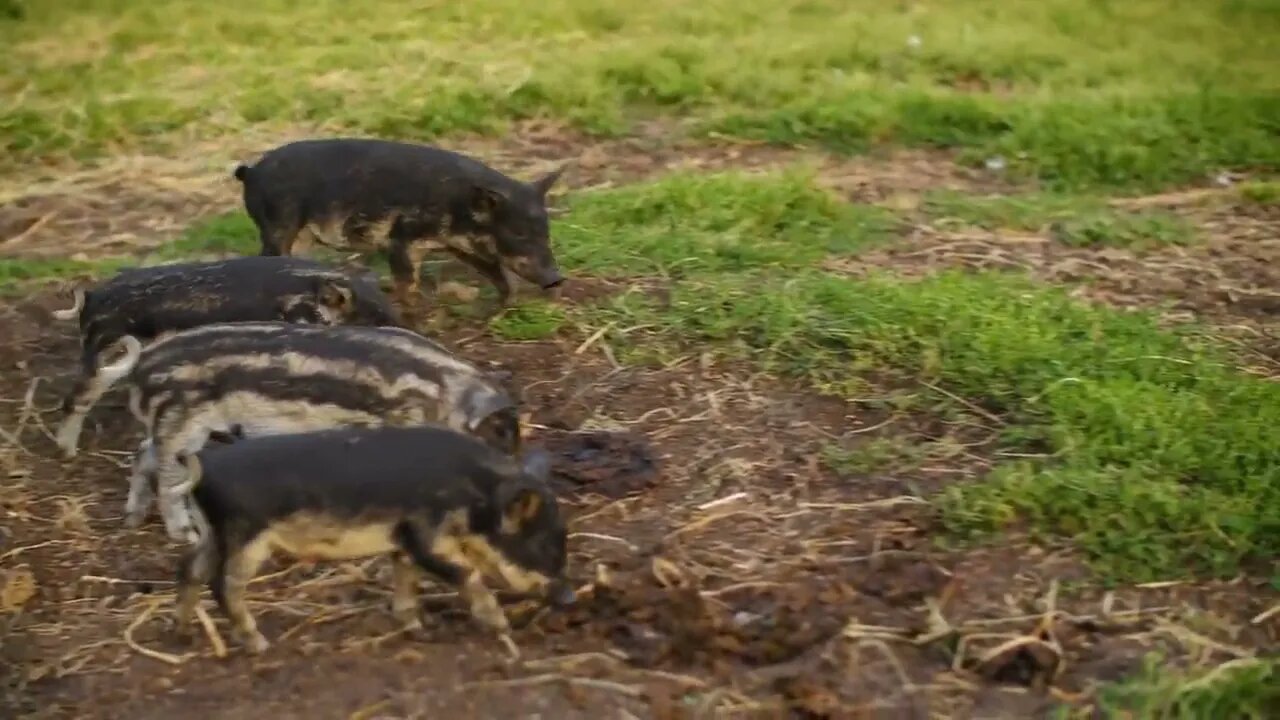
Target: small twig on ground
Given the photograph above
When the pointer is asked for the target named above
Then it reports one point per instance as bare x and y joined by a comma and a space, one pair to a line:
122, 581
667, 573
572, 660
595, 336
1213, 675
610, 538
19, 550
889, 655
1160, 584
1190, 637
215, 639
13, 441
321, 619
703, 522
937, 627
885, 502
368, 711
721, 502
28, 407
1266, 615
993, 418
31, 229
988, 622
153, 654
1050, 609
740, 586
858, 631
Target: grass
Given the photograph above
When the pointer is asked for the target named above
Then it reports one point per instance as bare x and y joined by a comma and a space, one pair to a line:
1131, 94
231, 234
719, 223
1242, 689
531, 320
874, 456
1075, 220
1261, 192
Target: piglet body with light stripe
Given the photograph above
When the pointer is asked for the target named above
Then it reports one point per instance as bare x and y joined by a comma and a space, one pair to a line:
253, 379
430, 498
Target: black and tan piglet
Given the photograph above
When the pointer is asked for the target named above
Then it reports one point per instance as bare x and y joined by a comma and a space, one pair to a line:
151, 302
366, 195
430, 498
268, 378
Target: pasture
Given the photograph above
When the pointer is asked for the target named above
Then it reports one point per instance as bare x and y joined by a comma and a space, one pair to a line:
917, 359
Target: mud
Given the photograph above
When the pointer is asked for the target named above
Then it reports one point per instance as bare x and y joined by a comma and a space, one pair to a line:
610, 464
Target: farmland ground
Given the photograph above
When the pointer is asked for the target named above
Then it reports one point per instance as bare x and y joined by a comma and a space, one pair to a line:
972, 306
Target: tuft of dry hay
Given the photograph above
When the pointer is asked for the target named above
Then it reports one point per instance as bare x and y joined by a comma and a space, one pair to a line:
17, 586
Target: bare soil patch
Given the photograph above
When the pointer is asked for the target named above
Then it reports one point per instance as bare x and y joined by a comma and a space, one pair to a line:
741, 575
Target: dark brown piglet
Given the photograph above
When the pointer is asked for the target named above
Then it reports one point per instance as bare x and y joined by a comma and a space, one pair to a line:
148, 303
408, 199
430, 498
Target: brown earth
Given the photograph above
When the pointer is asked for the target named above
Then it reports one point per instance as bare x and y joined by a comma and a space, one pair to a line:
724, 570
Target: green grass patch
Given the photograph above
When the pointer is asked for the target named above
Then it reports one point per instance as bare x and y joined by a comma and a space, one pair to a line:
531, 320
726, 222
228, 234
1161, 460
1103, 93
1066, 141
231, 233
1260, 192
873, 456
16, 271
1242, 689
1079, 221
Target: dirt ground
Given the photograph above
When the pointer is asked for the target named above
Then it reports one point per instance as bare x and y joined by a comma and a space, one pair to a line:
724, 569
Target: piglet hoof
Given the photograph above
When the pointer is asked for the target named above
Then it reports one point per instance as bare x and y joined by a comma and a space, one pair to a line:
256, 644
182, 534
407, 617
513, 650
67, 446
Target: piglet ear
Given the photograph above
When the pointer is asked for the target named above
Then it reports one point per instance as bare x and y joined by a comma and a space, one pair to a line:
522, 507
484, 203
499, 376
484, 404
543, 184
537, 465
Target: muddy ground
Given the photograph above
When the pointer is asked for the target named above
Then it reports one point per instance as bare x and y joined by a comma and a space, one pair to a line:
725, 572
